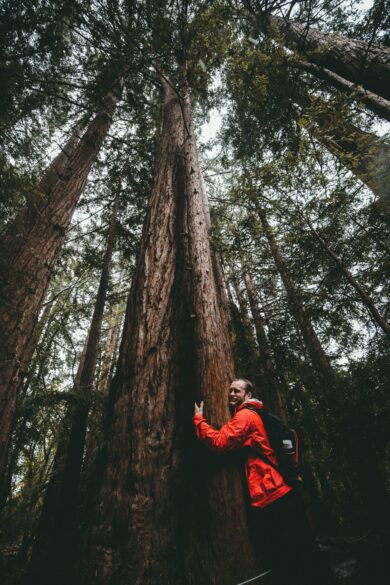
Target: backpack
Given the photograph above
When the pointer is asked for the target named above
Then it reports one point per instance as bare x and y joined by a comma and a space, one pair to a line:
284, 442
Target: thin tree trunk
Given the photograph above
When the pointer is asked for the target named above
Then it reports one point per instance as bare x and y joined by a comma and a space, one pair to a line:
270, 375
363, 294
26, 270
54, 553
357, 61
378, 105
313, 345
366, 155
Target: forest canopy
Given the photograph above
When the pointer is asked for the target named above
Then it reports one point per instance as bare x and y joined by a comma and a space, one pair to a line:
192, 191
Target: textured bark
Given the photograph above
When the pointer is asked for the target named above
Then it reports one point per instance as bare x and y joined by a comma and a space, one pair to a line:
27, 266
54, 552
135, 537
269, 370
313, 345
363, 294
167, 511
109, 350
361, 63
213, 373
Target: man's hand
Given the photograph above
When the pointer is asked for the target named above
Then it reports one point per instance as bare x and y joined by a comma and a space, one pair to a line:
199, 409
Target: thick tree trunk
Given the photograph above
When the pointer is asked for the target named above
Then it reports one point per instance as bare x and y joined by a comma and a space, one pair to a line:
357, 61
213, 372
135, 536
167, 512
54, 552
26, 269
313, 345
269, 371
363, 294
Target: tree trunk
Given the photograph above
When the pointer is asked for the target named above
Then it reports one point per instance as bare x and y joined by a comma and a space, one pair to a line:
27, 269
167, 513
269, 371
363, 294
360, 62
377, 104
366, 155
54, 553
135, 536
213, 371
313, 345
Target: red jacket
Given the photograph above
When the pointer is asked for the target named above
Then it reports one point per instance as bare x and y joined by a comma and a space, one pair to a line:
246, 429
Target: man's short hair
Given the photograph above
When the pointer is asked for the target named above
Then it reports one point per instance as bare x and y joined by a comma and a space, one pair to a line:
249, 387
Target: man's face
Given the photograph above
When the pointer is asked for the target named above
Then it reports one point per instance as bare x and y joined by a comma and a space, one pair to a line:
237, 394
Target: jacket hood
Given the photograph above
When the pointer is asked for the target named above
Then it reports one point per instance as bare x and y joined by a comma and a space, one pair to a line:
253, 403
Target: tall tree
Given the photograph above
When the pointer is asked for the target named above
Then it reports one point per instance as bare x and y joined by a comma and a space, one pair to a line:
26, 268
54, 552
313, 345
363, 294
361, 62
174, 348
269, 370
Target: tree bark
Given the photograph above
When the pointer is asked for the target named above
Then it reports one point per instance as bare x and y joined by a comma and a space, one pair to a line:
26, 267
363, 294
54, 552
213, 372
377, 104
313, 345
167, 513
134, 538
357, 61
366, 155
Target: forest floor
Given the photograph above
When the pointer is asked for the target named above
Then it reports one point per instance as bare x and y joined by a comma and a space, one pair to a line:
357, 560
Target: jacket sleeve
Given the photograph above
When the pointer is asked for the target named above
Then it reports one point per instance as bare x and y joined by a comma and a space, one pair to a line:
230, 436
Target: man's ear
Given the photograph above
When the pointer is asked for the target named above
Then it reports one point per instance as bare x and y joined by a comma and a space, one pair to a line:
248, 395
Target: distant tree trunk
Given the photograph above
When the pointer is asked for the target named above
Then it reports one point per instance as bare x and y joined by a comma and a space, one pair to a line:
255, 368
269, 371
363, 294
313, 345
19, 431
377, 104
26, 268
247, 364
98, 414
358, 61
213, 372
366, 155
109, 350
166, 513
54, 552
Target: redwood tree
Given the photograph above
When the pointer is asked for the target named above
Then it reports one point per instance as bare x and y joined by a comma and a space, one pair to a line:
54, 551
31, 247
166, 513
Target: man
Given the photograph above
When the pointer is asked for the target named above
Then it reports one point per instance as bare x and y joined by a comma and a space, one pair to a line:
277, 508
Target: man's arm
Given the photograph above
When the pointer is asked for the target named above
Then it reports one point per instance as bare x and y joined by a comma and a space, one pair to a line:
230, 436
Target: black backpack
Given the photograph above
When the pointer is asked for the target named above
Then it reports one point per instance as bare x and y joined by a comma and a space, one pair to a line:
287, 454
